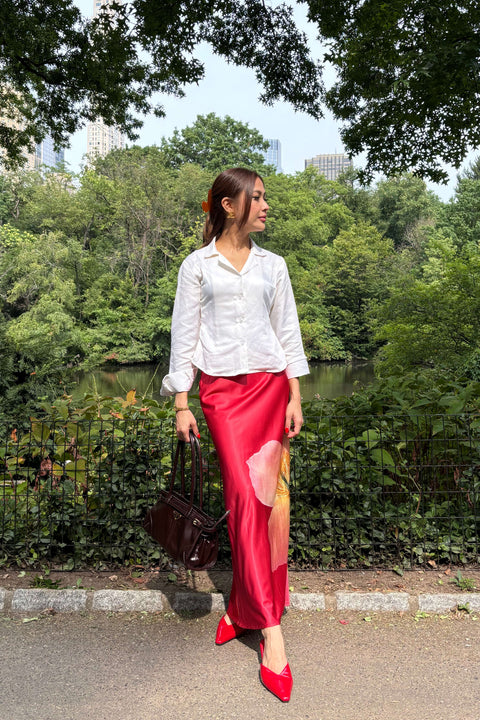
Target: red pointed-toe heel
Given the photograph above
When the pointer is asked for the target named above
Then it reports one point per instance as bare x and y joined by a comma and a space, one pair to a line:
280, 684
226, 632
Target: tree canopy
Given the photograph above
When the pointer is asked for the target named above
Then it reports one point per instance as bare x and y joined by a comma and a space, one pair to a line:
406, 88
215, 143
59, 70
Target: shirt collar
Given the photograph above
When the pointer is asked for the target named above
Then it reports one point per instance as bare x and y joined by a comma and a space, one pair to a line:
211, 249
257, 250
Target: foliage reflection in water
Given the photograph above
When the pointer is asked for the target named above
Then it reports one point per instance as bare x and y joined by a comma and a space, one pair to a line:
328, 380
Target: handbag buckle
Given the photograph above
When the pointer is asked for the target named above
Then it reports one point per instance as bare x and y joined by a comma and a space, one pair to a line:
177, 515
196, 522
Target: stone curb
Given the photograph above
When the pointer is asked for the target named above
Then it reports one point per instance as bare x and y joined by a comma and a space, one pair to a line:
151, 601
129, 600
39, 599
448, 601
307, 601
395, 601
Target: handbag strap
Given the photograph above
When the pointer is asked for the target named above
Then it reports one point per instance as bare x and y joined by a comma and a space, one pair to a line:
197, 456
196, 468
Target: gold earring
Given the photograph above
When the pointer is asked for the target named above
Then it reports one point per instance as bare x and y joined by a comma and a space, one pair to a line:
230, 215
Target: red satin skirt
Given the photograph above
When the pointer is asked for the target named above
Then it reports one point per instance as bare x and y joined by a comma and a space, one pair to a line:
245, 415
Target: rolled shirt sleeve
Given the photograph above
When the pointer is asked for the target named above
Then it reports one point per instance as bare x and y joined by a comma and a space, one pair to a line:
185, 330
284, 320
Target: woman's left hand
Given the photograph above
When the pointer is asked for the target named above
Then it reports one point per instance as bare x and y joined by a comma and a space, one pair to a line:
293, 417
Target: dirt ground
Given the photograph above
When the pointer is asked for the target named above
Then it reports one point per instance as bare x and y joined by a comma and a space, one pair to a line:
440, 579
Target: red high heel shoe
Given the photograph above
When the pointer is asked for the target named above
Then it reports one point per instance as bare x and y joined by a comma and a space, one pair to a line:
280, 684
226, 632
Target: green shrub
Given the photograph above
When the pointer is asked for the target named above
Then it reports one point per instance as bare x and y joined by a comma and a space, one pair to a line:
77, 485
389, 476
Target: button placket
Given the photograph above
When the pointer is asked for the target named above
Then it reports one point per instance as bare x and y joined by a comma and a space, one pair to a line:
243, 318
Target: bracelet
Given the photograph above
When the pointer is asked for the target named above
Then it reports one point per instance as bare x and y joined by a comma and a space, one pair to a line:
177, 410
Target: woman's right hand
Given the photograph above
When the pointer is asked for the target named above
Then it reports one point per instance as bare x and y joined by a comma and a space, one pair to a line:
186, 422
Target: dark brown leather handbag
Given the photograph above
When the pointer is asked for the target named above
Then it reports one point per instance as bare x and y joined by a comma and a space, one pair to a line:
182, 528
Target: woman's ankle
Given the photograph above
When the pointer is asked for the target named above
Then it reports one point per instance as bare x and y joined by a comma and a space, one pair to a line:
274, 655
273, 632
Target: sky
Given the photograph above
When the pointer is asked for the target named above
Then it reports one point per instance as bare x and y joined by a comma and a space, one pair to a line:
230, 90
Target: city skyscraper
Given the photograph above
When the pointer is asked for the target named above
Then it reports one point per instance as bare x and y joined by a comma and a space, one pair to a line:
273, 156
39, 154
330, 165
102, 138
45, 154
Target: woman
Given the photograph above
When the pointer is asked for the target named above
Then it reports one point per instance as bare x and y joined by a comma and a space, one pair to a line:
235, 319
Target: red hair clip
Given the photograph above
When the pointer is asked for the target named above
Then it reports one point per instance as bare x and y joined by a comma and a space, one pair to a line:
207, 205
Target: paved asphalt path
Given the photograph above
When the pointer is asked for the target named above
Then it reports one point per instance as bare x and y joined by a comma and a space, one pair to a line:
162, 667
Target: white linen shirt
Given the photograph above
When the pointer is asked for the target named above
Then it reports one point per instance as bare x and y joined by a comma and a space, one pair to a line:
227, 322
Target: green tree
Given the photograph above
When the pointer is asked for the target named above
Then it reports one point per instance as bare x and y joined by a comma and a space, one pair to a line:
7, 199
51, 202
406, 87
58, 70
38, 287
142, 208
406, 71
462, 214
15, 193
306, 212
86, 256
472, 172
320, 337
357, 197
39, 317
113, 323
431, 317
404, 204
216, 143
355, 272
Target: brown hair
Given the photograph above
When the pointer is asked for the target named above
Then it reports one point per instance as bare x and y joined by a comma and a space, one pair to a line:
230, 183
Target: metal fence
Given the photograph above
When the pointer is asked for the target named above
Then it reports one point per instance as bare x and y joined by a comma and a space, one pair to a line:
365, 491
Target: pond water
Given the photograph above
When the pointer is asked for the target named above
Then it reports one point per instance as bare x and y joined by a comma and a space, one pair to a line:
326, 379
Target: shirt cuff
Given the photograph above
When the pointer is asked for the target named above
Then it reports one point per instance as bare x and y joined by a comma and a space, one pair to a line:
297, 369
176, 382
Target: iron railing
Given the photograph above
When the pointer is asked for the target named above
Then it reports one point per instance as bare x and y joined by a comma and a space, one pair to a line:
365, 491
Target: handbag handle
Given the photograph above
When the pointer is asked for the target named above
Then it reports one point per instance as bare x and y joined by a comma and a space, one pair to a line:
196, 463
